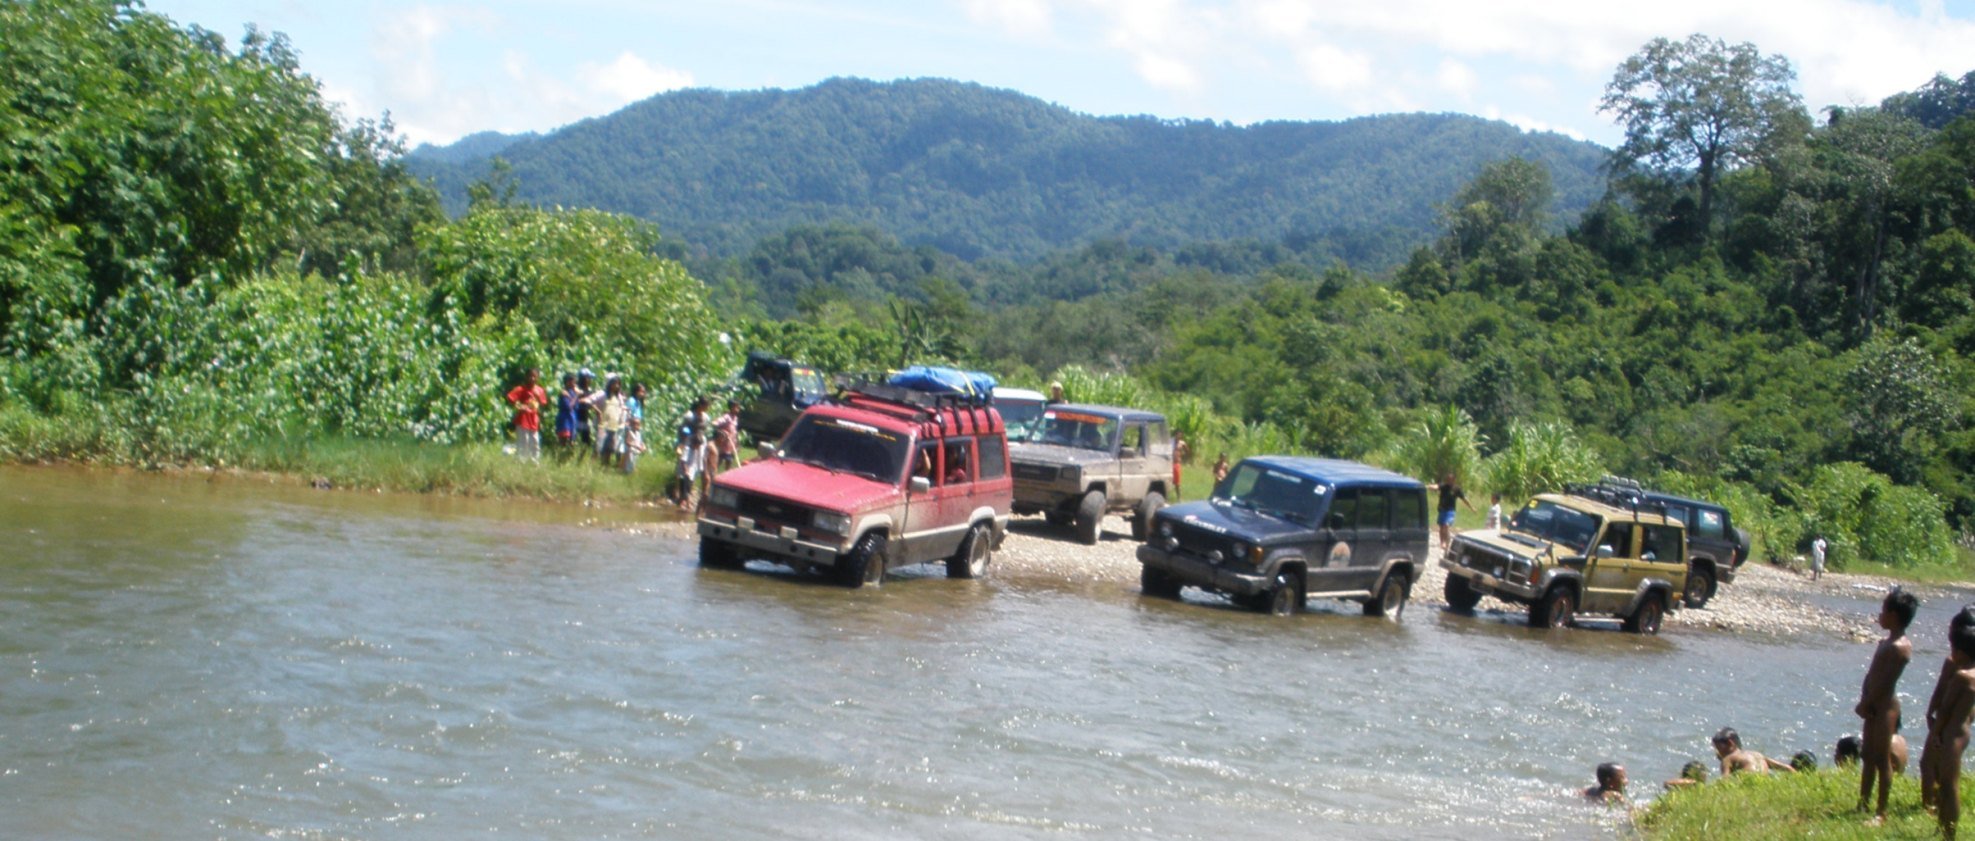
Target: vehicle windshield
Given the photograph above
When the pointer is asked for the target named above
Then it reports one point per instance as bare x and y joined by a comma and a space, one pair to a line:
1557, 524
1273, 492
808, 383
1020, 415
846, 446
1076, 429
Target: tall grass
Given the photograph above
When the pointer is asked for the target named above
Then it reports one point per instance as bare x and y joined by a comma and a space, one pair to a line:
1818, 804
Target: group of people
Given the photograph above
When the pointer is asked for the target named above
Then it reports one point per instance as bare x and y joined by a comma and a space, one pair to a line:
609, 423
1879, 750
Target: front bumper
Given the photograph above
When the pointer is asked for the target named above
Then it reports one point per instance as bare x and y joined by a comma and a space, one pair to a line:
1200, 572
782, 545
1488, 585
1037, 497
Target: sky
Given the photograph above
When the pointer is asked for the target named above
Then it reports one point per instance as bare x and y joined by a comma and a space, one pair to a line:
447, 69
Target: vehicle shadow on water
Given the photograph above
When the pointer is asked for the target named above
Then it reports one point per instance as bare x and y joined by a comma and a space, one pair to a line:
1507, 624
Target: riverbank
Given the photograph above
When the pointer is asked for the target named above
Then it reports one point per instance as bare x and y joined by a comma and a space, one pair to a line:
1763, 599
1752, 807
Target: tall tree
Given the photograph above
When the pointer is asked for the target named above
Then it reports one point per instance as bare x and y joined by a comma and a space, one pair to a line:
1702, 104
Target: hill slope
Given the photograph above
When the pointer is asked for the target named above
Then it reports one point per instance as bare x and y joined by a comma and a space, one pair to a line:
983, 172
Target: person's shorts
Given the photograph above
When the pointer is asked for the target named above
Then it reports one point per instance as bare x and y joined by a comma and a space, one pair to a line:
726, 460
1447, 517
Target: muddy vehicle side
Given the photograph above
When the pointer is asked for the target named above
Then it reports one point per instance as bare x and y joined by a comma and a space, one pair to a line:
1083, 462
1281, 529
876, 479
1564, 556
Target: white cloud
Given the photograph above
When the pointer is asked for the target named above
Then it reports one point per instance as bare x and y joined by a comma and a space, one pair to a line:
629, 78
1333, 69
1018, 17
1456, 78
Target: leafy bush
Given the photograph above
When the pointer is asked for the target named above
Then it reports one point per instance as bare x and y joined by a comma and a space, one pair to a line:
1440, 443
1863, 516
1540, 457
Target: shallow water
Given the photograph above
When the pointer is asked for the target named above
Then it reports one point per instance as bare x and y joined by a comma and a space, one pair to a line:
185, 658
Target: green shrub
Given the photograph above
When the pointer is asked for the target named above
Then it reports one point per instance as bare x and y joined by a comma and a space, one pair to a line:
1539, 457
1863, 516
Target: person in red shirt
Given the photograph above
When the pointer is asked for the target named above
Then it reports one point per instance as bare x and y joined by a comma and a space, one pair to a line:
528, 400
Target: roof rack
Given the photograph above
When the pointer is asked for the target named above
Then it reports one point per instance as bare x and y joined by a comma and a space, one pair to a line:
1618, 492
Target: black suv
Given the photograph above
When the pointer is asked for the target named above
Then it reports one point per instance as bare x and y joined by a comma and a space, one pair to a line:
1280, 529
1716, 549
780, 391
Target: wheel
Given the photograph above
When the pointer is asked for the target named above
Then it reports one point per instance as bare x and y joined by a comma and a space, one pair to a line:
1461, 596
1285, 598
1090, 517
1142, 518
1700, 587
1557, 609
1158, 583
717, 554
975, 553
1648, 618
1390, 600
865, 565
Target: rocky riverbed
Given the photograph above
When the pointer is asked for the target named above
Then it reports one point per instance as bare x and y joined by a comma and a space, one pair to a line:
1763, 598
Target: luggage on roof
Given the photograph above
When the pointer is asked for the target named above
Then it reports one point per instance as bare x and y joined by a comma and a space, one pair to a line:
942, 380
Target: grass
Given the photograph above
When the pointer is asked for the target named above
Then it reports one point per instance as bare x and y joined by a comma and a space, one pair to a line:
482, 470
1819, 804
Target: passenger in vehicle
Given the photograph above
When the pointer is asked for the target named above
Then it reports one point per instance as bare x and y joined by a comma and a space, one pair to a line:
1879, 699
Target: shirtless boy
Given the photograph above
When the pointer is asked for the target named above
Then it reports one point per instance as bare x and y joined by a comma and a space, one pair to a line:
1736, 759
1929, 785
1611, 785
1879, 700
1949, 735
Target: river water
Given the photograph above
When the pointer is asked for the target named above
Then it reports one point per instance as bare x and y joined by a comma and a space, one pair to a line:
186, 658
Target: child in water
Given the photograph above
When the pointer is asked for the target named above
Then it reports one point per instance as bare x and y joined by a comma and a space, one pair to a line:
1879, 700
1611, 785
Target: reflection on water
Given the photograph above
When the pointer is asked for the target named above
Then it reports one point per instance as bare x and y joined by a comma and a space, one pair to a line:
182, 658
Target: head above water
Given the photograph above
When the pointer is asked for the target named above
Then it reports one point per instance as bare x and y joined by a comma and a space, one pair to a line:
1963, 618
1900, 606
1695, 770
1803, 761
1611, 776
1847, 752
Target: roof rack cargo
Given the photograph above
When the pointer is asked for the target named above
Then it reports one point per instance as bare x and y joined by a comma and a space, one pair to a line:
1617, 492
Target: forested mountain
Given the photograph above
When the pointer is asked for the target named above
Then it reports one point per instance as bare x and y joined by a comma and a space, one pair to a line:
979, 172
474, 148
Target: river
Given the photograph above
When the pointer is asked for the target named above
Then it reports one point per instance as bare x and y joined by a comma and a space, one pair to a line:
232, 658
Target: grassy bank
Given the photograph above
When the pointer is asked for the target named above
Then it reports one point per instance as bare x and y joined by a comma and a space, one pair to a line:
1789, 806
480, 469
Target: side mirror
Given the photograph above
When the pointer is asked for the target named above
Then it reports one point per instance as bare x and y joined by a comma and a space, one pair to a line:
920, 484
1604, 550
767, 449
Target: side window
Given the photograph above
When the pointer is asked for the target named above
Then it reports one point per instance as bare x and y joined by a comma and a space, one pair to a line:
1709, 524
1135, 440
1343, 509
924, 460
1661, 543
1161, 443
1619, 537
1409, 508
959, 461
1372, 508
1679, 512
994, 457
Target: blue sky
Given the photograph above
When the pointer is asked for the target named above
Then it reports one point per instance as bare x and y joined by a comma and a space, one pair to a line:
444, 70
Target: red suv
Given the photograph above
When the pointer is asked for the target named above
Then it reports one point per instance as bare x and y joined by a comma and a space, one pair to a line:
879, 478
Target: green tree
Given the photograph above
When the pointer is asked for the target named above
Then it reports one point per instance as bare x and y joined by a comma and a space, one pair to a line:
1702, 104
1440, 444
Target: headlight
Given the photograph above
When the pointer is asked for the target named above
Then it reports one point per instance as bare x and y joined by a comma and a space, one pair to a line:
1166, 528
723, 497
833, 523
1255, 555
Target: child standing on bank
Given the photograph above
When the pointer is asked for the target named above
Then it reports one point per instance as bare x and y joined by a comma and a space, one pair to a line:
1495, 511
1879, 699
1929, 748
528, 399
1947, 736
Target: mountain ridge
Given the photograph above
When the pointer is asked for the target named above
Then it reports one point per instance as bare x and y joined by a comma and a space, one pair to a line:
985, 172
